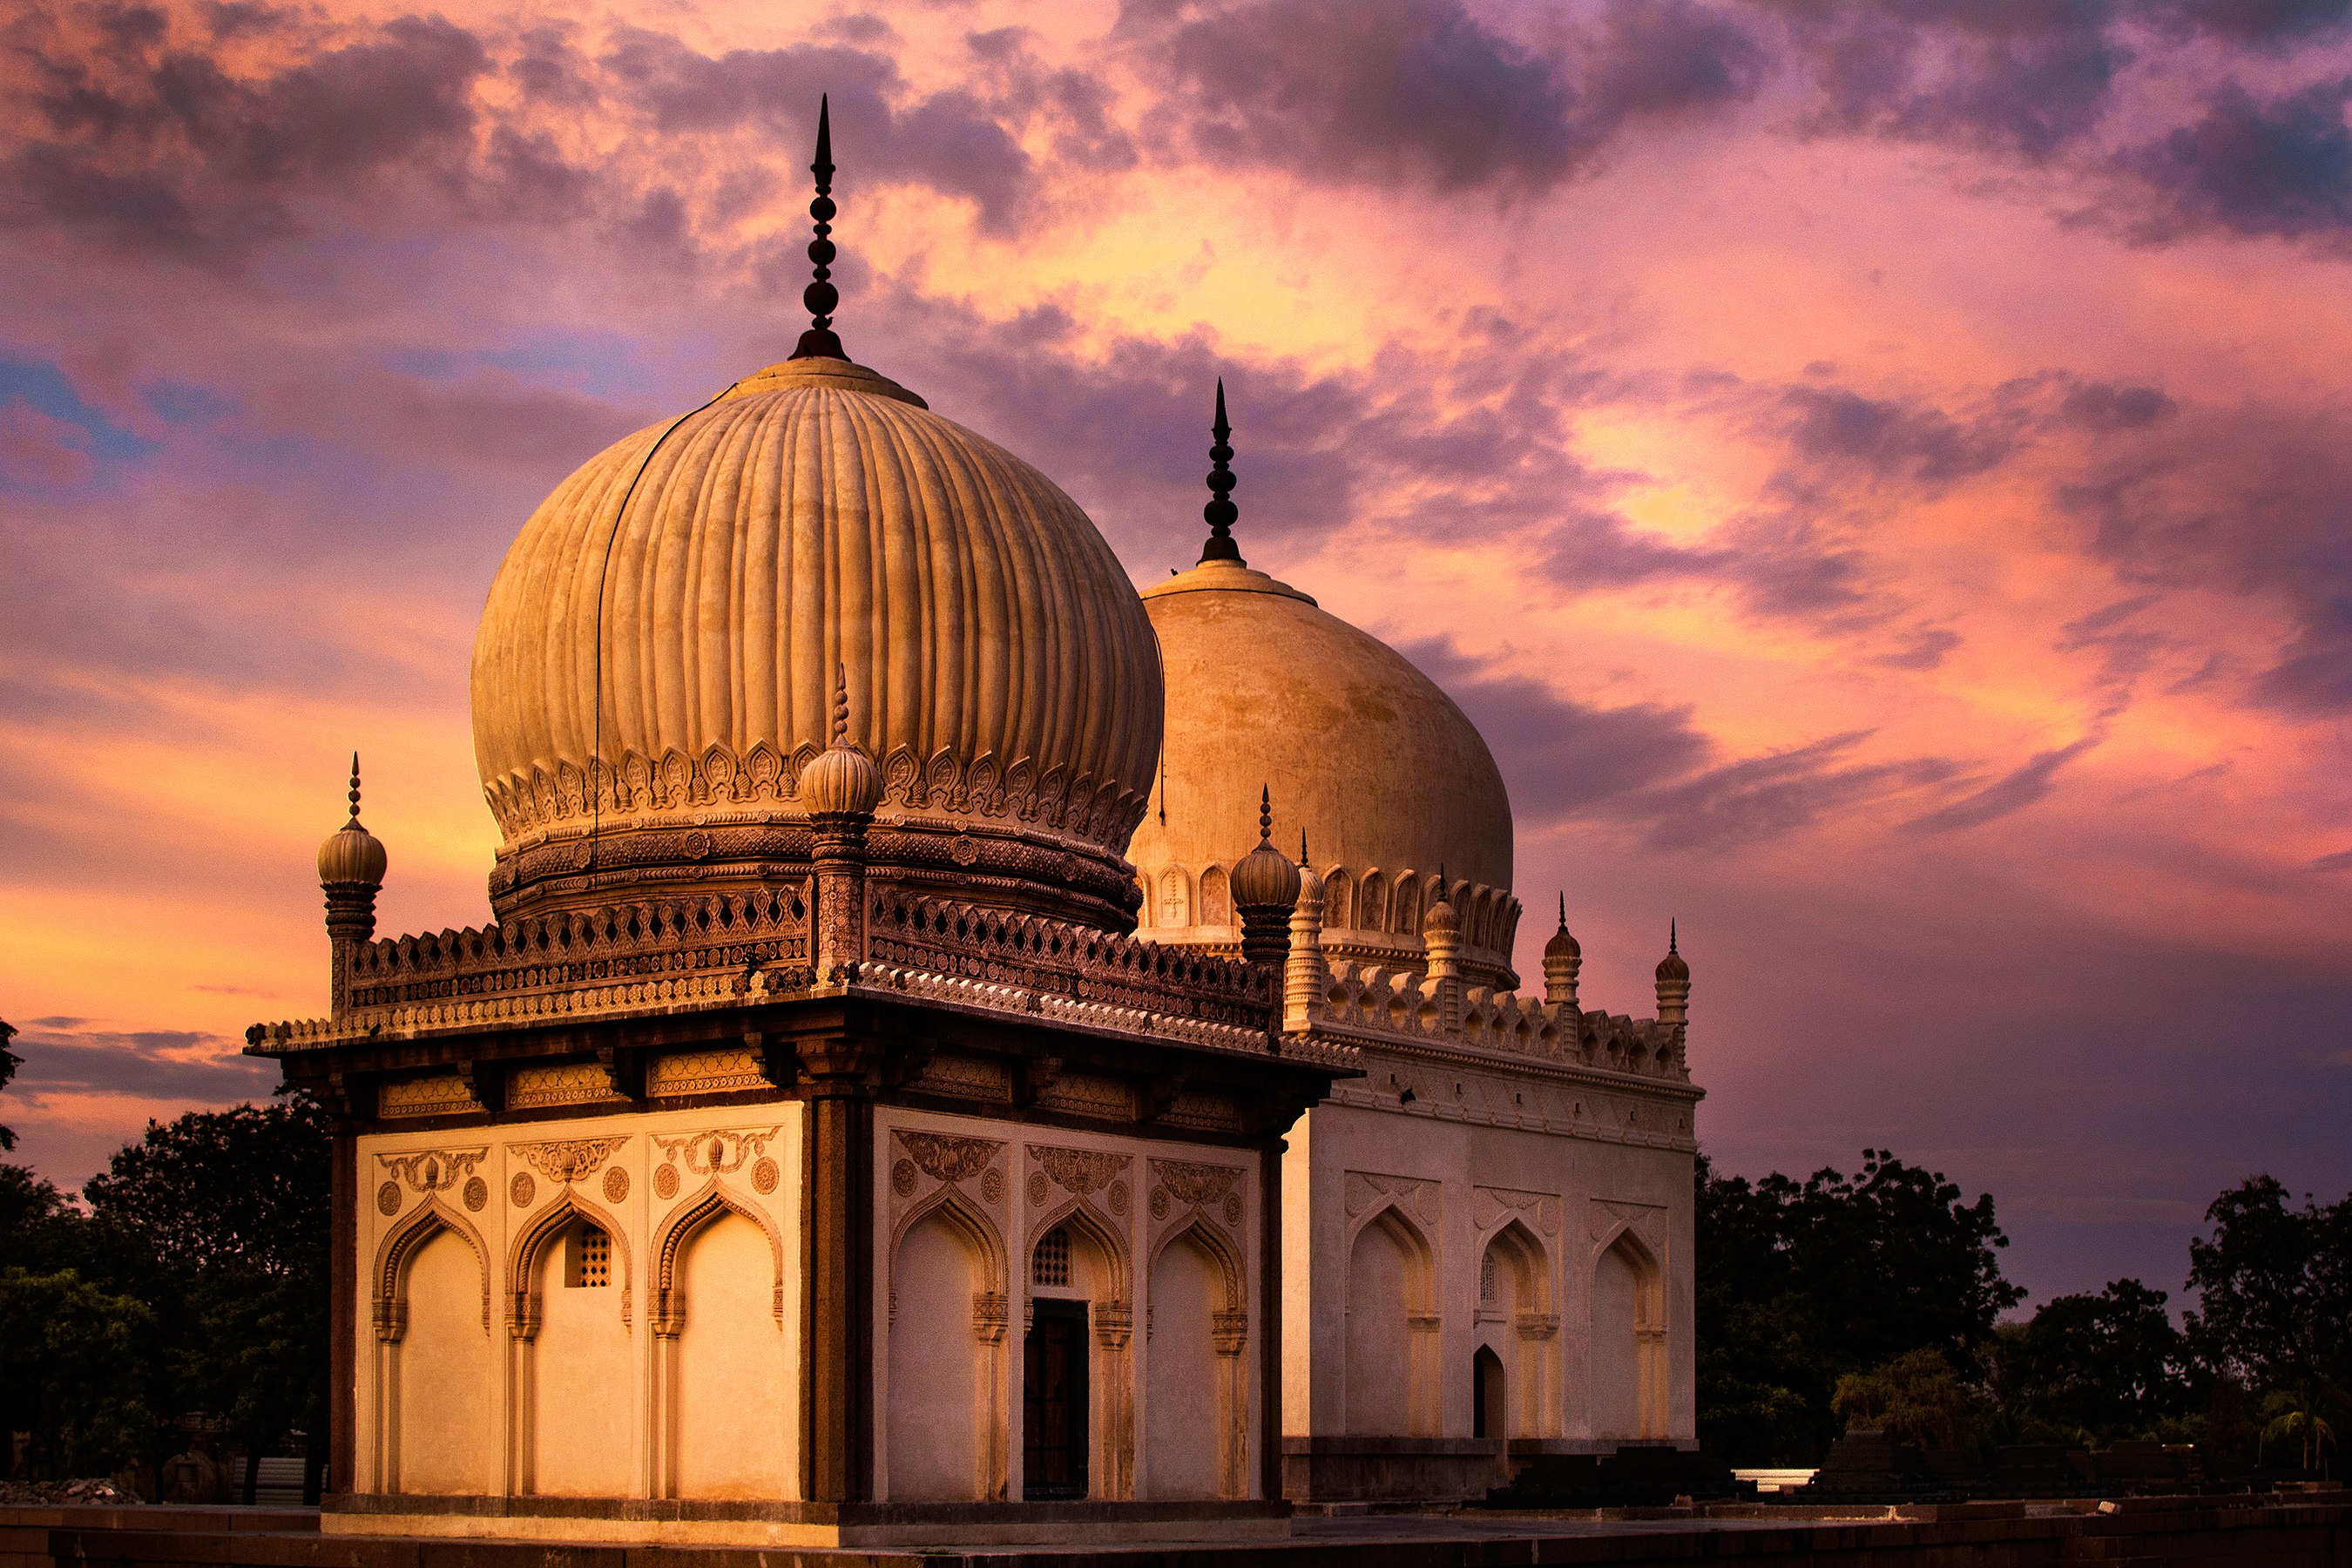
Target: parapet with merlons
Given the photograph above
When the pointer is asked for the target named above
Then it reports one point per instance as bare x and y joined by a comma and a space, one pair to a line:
1380, 1005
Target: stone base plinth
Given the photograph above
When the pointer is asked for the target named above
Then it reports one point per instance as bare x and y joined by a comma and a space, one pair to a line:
676, 1523
1352, 1470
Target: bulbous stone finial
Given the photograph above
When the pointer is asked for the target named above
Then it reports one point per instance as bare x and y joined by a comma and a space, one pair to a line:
352, 857
841, 780
1266, 879
1220, 512
821, 297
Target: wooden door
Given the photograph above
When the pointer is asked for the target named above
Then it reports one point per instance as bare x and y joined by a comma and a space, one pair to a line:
1053, 1405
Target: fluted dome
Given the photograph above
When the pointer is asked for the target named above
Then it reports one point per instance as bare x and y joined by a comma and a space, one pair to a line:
669, 624
1391, 781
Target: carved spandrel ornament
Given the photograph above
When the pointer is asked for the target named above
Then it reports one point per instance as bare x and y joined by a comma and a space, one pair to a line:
1366, 1191
566, 1161
1181, 1187
1079, 1172
432, 1170
1606, 1216
1490, 1206
718, 1153
946, 1159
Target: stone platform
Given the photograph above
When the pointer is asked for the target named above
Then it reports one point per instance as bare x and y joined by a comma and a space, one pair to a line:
2303, 1531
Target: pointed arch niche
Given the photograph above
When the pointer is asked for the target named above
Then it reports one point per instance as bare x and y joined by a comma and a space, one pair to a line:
1628, 1341
436, 1432
725, 1402
1519, 1326
945, 1426
1392, 1323
1196, 1385
1099, 1273
568, 1350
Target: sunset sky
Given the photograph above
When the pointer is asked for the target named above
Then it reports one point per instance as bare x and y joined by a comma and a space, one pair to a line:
1878, 474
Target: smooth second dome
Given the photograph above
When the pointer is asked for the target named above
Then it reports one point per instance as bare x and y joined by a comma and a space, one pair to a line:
1391, 781
655, 664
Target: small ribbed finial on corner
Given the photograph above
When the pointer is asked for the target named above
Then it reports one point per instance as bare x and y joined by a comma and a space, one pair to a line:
1302, 846
1264, 814
821, 297
840, 706
356, 787
1220, 512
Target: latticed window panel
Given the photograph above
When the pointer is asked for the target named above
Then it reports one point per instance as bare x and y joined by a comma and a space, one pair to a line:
1487, 1278
592, 1258
1052, 1266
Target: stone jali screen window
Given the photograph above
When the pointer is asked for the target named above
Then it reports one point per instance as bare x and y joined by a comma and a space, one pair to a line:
1052, 1266
590, 1264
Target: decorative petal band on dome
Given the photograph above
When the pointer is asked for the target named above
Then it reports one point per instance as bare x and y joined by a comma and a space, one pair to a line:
544, 798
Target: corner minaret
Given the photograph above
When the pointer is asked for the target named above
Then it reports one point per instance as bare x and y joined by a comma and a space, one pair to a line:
1673, 983
821, 296
1563, 959
352, 863
1220, 512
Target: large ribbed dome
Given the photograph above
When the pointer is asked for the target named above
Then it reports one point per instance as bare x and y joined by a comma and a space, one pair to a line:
1391, 781
670, 621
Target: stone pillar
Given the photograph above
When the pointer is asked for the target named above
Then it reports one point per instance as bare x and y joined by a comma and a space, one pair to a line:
837, 1272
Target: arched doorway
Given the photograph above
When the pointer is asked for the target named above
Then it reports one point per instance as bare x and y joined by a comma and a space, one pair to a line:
1074, 1412
1489, 1396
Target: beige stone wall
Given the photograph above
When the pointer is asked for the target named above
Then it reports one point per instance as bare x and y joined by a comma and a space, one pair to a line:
1163, 1249
505, 1352
1510, 1210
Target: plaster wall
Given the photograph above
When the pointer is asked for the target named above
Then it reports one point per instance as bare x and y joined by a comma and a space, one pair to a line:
1583, 1188
1163, 1250
485, 1371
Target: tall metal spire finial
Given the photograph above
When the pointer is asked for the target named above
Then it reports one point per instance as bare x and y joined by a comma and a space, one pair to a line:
821, 296
1672, 949
1264, 814
1302, 846
356, 787
1563, 910
1220, 512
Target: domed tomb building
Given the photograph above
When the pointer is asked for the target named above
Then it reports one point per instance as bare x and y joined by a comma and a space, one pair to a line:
807, 1155
1488, 1234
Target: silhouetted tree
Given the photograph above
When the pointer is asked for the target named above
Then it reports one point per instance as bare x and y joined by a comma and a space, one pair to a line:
2111, 1365
1801, 1284
232, 1205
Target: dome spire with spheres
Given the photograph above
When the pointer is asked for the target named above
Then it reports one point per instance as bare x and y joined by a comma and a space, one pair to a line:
819, 341
1220, 512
